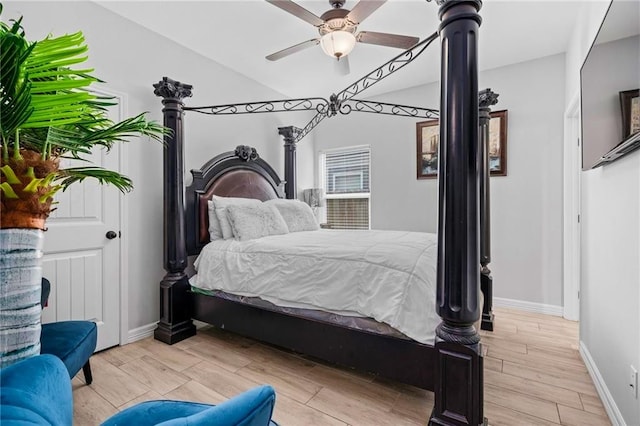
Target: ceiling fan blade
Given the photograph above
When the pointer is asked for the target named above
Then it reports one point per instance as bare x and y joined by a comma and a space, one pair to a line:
363, 9
385, 39
293, 49
342, 66
297, 10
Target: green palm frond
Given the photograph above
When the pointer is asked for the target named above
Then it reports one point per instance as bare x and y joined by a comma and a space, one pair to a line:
15, 88
59, 95
70, 176
47, 106
119, 132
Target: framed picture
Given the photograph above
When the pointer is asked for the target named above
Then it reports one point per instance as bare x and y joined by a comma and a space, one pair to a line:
630, 105
428, 141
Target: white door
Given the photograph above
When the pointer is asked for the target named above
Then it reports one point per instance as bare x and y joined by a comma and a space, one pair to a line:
81, 262
571, 228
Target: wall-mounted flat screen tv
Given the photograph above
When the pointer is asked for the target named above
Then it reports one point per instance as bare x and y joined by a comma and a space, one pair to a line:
609, 81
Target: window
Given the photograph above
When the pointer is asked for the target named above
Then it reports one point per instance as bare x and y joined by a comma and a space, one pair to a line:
345, 178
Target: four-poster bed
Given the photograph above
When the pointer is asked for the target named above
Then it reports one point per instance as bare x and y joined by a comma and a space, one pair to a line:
452, 367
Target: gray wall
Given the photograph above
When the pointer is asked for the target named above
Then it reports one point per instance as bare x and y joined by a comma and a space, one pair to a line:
131, 58
526, 205
610, 253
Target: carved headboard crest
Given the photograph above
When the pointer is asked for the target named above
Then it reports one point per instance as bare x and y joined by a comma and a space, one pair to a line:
246, 153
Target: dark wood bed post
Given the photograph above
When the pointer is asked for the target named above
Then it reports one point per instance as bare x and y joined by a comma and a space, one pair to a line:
487, 98
459, 378
175, 307
289, 134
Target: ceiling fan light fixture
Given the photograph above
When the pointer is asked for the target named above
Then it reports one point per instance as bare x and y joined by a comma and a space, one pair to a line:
338, 43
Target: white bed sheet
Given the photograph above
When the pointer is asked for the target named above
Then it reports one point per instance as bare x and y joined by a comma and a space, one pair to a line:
386, 275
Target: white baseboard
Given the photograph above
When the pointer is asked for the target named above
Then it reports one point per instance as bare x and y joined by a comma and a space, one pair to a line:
609, 404
538, 308
141, 332
200, 324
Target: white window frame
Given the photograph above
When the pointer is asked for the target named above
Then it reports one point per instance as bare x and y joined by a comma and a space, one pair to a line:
321, 178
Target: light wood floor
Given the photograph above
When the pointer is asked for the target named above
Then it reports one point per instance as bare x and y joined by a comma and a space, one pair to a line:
533, 376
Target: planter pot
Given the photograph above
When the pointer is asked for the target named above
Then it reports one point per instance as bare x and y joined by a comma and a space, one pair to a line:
20, 290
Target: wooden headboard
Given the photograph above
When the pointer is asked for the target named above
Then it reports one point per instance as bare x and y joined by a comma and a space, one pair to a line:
240, 173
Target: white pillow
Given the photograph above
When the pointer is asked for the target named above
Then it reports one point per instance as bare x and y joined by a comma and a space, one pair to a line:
225, 226
255, 221
297, 215
215, 232
220, 204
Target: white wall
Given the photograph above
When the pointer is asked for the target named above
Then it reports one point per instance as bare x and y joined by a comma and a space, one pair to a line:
131, 58
526, 205
610, 233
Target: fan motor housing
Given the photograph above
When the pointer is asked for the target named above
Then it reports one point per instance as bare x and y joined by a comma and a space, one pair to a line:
336, 20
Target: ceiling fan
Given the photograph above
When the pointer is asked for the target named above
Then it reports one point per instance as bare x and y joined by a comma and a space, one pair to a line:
337, 28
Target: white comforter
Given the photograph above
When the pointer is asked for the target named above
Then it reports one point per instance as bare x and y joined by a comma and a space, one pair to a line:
386, 275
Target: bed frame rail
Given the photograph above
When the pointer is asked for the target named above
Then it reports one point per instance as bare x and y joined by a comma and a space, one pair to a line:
389, 357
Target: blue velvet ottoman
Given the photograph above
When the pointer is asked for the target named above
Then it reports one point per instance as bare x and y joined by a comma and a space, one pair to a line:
73, 342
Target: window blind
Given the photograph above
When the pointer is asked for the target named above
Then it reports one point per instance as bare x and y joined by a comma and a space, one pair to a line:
348, 213
346, 179
347, 171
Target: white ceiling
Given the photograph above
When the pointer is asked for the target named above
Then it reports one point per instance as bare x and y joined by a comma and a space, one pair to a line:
239, 34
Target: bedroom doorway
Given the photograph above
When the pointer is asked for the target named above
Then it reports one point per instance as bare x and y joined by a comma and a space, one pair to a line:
82, 251
571, 228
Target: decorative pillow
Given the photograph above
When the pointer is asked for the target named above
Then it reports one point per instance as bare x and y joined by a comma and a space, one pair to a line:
225, 226
215, 232
255, 221
297, 215
221, 204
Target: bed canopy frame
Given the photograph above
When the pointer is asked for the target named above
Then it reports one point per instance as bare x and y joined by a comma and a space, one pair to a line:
452, 368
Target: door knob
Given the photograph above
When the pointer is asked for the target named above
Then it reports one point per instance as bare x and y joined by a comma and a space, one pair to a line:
111, 235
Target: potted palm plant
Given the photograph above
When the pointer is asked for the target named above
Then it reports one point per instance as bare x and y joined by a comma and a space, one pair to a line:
47, 112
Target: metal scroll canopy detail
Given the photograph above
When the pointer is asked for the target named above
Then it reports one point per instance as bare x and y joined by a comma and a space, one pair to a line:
341, 102
386, 108
309, 127
303, 104
387, 69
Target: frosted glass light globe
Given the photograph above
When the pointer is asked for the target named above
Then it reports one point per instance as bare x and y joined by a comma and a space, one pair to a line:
338, 43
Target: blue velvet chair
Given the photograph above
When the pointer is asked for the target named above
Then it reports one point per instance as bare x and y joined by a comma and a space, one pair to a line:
251, 408
72, 341
37, 391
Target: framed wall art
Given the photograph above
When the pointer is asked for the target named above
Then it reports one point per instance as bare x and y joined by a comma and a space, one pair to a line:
428, 141
630, 106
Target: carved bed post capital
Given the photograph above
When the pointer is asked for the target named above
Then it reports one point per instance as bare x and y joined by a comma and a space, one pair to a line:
289, 133
175, 308
449, 3
487, 98
172, 90
458, 368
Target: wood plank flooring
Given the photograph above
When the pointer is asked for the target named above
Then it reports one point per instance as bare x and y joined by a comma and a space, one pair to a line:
533, 376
